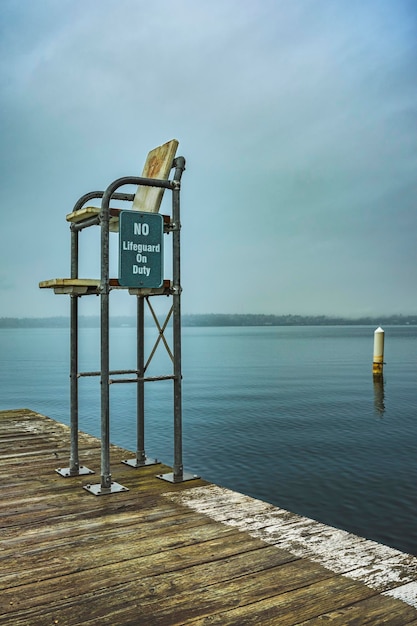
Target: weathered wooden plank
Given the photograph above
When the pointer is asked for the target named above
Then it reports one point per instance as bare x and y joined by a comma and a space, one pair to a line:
120, 547
162, 553
9, 437
214, 560
381, 567
107, 524
367, 612
42, 465
291, 609
106, 521
23, 412
69, 498
199, 591
285, 591
406, 592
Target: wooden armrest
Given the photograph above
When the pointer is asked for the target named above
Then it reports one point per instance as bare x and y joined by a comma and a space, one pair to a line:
92, 211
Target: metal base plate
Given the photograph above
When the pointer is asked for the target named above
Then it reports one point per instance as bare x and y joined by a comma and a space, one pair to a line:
98, 490
66, 471
171, 478
135, 463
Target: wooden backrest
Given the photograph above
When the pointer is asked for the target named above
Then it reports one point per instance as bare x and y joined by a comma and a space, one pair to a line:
158, 165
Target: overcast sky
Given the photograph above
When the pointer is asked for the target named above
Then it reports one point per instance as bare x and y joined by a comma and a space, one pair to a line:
297, 119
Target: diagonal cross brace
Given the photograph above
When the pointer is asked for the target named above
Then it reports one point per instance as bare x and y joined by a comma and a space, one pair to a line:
161, 335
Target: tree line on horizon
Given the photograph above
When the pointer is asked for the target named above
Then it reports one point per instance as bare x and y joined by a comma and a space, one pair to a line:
216, 319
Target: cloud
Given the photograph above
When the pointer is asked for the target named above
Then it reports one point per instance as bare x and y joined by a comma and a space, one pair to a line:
297, 121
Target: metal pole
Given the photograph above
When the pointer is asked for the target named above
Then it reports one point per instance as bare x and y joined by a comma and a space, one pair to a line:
141, 458
178, 469
178, 474
74, 461
104, 335
140, 390
74, 468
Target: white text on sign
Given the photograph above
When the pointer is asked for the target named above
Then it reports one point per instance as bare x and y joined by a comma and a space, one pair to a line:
140, 249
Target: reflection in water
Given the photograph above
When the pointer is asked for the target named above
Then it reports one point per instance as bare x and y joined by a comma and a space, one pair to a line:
379, 395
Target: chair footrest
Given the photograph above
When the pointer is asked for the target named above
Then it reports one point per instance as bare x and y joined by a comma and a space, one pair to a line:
87, 286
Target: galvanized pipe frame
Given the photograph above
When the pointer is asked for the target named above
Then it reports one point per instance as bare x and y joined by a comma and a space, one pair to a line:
140, 395
112, 372
130, 380
141, 459
91, 195
178, 474
107, 485
74, 468
142, 379
161, 331
178, 469
74, 464
91, 221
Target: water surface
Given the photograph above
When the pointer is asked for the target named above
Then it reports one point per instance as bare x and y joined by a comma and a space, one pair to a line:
290, 415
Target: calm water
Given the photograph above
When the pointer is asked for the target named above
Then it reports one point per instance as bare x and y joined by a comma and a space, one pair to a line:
288, 415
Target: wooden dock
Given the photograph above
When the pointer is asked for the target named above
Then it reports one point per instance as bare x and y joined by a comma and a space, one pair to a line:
165, 554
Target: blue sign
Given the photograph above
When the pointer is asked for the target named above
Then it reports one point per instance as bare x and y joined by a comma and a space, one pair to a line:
141, 249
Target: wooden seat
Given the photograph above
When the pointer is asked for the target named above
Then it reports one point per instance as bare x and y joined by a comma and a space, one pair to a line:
158, 165
93, 211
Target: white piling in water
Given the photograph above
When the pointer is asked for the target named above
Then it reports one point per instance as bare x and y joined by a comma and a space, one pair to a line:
378, 360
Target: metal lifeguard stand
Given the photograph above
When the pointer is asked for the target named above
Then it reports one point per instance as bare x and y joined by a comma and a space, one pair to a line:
151, 186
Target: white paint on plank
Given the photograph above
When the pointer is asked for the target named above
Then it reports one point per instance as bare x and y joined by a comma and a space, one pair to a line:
407, 593
380, 567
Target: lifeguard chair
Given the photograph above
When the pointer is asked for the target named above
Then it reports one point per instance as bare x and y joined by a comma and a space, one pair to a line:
151, 186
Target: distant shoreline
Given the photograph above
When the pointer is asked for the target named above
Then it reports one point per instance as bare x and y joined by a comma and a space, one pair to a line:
217, 319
